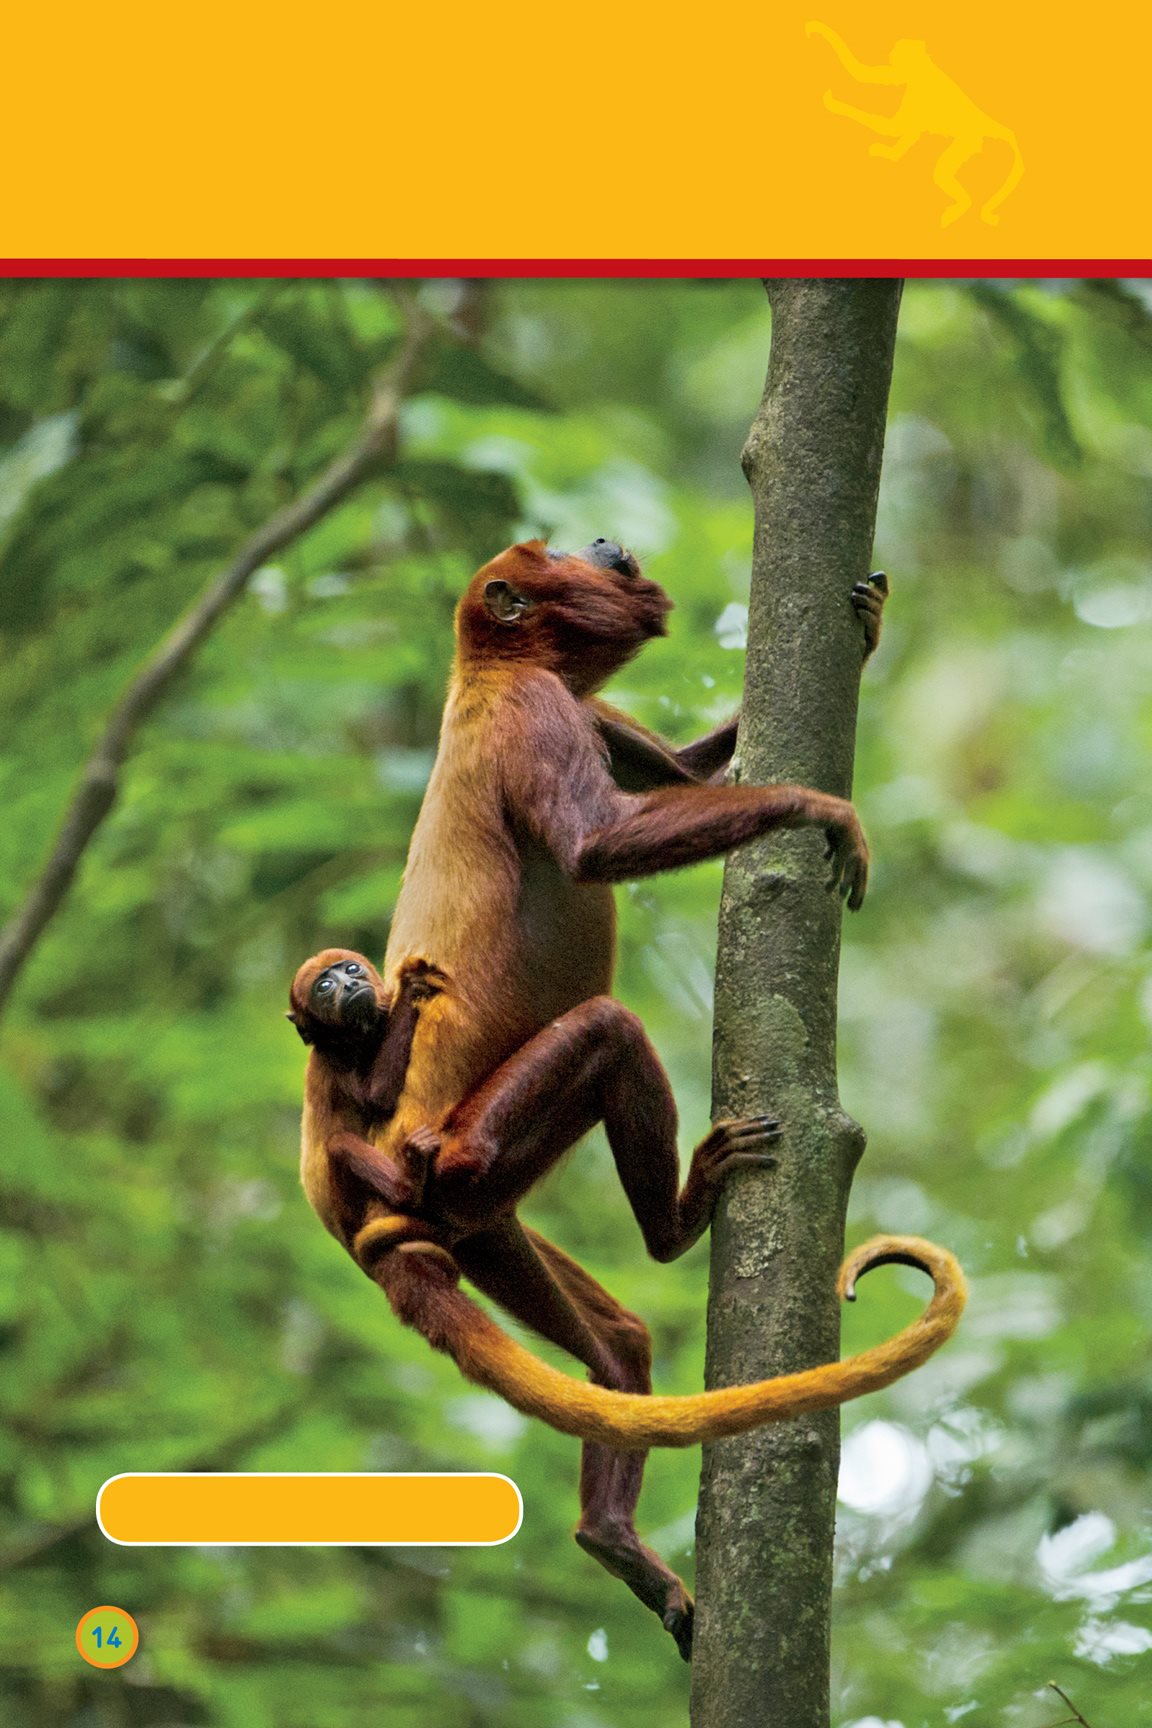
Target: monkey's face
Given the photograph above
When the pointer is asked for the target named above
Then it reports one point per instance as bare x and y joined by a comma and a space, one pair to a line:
337, 989
581, 614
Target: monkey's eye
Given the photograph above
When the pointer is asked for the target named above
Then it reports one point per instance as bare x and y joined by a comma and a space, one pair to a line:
353, 969
324, 985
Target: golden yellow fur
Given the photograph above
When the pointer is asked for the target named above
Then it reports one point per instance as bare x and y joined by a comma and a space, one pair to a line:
632, 1421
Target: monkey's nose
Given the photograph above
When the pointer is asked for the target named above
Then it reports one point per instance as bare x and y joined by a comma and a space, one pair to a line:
605, 554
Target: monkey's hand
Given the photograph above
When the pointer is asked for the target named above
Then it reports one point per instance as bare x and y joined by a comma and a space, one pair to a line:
848, 851
730, 1145
868, 597
384, 1175
417, 1158
423, 981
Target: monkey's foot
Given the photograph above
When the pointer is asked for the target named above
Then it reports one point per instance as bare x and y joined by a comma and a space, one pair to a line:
954, 211
868, 598
624, 1555
679, 1621
731, 1144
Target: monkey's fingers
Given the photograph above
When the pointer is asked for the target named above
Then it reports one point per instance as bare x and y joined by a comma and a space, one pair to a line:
426, 981
866, 599
856, 883
849, 877
423, 1142
837, 852
417, 1156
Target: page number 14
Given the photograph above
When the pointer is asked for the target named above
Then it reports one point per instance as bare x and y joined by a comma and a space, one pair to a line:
107, 1637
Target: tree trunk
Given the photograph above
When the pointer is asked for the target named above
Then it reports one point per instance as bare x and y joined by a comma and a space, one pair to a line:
767, 1503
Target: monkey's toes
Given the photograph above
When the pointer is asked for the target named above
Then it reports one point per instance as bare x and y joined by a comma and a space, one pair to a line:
751, 1131
678, 1621
738, 1135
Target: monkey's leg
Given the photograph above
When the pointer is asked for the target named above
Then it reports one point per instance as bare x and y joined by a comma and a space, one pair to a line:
542, 1287
593, 1064
512, 1129
944, 174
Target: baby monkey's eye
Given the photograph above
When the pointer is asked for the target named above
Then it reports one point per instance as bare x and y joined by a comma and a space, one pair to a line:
353, 969
325, 984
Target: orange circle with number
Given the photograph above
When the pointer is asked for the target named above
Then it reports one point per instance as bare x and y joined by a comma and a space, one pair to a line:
107, 1637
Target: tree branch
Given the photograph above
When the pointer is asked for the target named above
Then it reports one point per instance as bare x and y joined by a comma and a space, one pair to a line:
99, 781
1075, 1716
767, 1502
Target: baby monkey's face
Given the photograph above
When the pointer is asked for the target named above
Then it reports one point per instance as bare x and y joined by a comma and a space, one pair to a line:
344, 995
337, 988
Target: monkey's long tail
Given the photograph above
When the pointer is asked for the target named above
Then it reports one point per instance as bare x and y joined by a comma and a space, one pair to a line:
420, 1283
1010, 185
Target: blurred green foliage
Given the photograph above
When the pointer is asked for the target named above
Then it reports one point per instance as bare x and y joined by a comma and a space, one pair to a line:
168, 1299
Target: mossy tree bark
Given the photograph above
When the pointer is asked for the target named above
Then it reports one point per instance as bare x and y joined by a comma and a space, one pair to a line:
767, 1505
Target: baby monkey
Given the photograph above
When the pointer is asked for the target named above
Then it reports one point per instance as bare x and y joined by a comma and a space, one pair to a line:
361, 1042
360, 1046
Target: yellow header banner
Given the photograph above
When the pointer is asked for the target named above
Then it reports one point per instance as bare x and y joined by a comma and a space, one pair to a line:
604, 132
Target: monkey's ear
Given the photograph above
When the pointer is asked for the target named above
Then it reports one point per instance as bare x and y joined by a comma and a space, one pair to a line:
303, 1031
503, 602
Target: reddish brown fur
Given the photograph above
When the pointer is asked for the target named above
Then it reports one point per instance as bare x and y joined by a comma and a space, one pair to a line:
583, 623
414, 1229
522, 828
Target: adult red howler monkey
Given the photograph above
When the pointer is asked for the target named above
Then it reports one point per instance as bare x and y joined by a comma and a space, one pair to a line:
518, 1052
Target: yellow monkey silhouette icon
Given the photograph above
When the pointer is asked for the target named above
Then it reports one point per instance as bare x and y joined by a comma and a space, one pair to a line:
933, 103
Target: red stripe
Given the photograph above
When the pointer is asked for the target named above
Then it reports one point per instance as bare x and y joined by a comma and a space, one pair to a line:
568, 267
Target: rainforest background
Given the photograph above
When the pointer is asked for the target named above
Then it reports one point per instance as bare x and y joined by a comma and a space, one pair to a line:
168, 1300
